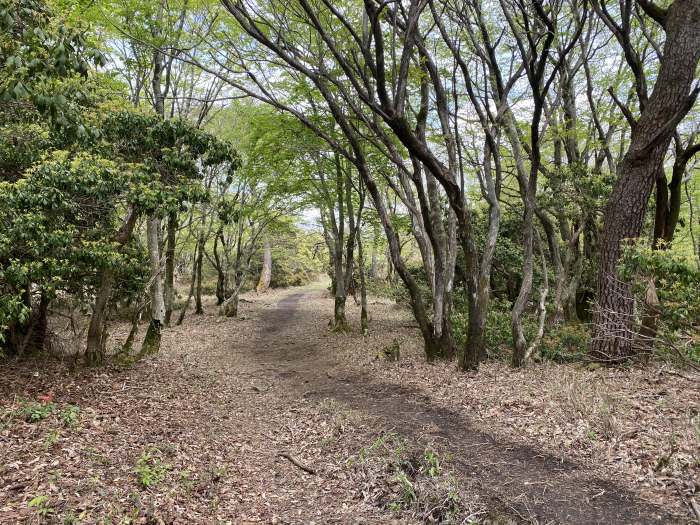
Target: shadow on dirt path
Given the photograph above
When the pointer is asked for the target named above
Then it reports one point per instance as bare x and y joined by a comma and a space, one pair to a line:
532, 485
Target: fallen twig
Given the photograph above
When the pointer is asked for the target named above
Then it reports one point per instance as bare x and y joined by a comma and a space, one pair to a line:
298, 463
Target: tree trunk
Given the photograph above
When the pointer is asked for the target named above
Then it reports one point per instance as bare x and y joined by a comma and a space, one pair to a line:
199, 261
570, 293
193, 282
341, 276
266, 272
220, 286
340, 322
668, 197
527, 182
519, 341
221, 283
96, 335
40, 324
169, 284
129, 343
389, 266
396, 262
613, 336
353, 233
151, 342
440, 276
675, 187
364, 318
474, 350
96, 330
230, 306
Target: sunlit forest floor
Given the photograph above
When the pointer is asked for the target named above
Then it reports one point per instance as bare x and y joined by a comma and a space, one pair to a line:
272, 418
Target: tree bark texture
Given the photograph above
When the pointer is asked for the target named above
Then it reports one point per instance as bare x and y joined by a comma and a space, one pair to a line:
266, 272
151, 342
624, 215
169, 282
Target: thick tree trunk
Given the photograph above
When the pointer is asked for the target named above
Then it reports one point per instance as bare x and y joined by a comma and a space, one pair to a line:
340, 323
613, 338
169, 283
220, 286
474, 350
266, 272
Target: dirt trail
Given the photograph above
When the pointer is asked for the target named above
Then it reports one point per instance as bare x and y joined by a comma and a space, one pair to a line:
215, 411
533, 484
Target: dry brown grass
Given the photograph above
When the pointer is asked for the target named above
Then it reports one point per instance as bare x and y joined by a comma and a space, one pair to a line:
638, 426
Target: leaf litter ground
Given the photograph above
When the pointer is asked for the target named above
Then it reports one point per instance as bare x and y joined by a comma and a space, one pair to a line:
271, 418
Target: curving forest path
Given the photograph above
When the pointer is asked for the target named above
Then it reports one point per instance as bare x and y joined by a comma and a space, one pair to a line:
233, 414
524, 482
